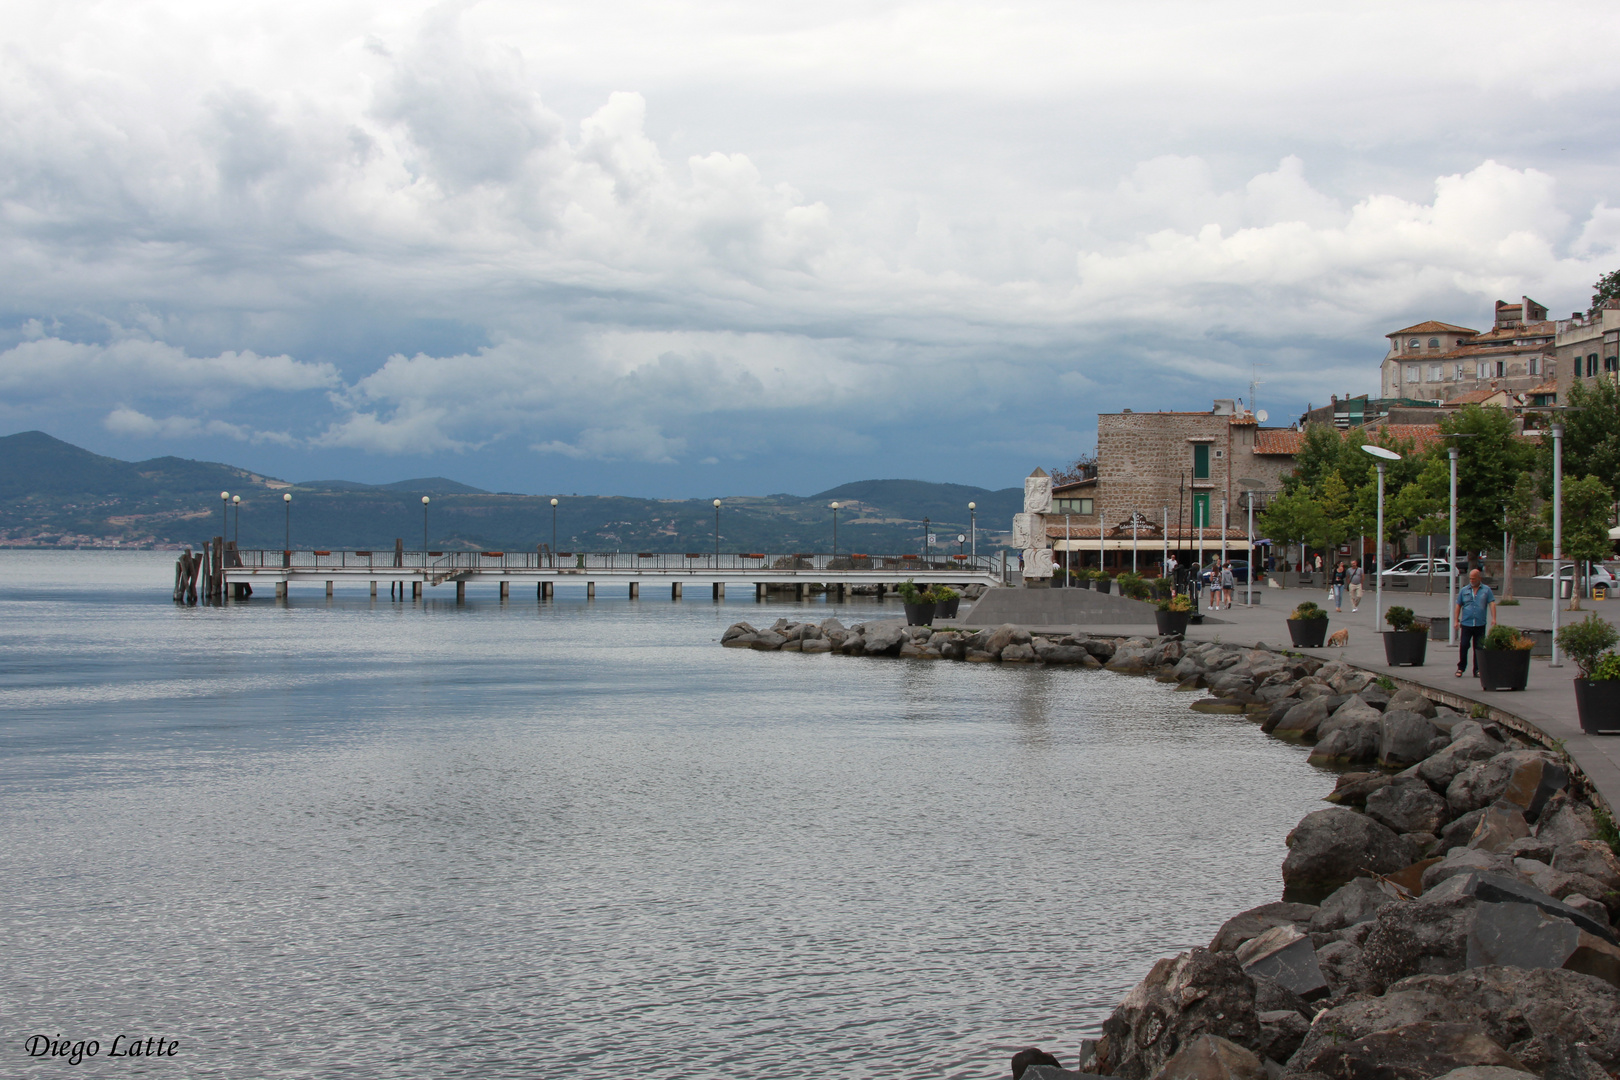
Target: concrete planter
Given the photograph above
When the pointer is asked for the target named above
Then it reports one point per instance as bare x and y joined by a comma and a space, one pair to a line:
1308, 633
1504, 669
946, 609
1103, 585
919, 614
1172, 622
1598, 702
1405, 648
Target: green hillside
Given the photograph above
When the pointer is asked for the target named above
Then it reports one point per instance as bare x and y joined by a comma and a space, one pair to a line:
54, 494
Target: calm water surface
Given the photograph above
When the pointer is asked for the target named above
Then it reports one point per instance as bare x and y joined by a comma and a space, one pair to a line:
383, 839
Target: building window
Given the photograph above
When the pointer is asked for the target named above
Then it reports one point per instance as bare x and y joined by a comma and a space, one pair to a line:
1460, 370
1501, 372
1200, 461
1484, 366
1437, 372
1611, 363
1591, 366
1412, 344
1411, 373
1434, 343
1073, 506
1535, 365
1200, 509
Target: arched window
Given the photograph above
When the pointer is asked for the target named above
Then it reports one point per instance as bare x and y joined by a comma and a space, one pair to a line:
1434, 343
1412, 344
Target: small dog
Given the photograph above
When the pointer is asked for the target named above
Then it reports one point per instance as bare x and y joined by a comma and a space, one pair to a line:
1338, 639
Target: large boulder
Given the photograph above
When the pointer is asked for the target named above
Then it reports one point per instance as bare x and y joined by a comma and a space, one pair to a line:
1353, 788
1528, 936
1354, 902
1469, 744
1032, 1055
1345, 969
1349, 745
1564, 820
1411, 1052
1593, 858
1404, 737
767, 640
1302, 720
1408, 807
1428, 935
1329, 847
1210, 1057
1500, 828
737, 630
1196, 993
1535, 782
884, 639
1256, 921
1004, 635
1287, 957
1484, 782
1411, 701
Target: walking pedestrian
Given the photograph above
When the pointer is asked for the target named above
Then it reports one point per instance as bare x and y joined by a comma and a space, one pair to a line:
1475, 605
1337, 586
1355, 582
1229, 584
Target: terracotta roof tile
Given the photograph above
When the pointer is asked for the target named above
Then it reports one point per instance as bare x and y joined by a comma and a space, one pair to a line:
1548, 387
1432, 327
1420, 435
1278, 441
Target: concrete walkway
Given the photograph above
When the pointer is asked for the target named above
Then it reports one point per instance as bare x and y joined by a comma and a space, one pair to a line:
1548, 702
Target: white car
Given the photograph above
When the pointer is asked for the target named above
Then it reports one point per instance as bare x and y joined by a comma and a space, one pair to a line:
1419, 568
1600, 582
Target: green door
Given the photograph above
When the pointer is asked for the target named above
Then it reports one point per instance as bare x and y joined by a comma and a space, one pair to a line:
1201, 461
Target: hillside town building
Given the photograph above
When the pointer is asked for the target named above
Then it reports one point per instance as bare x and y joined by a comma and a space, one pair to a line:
1439, 362
1587, 348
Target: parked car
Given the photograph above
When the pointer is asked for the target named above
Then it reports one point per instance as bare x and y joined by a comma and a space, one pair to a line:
1419, 568
1240, 572
1599, 583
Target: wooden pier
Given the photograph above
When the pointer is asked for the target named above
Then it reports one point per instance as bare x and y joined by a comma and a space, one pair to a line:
222, 572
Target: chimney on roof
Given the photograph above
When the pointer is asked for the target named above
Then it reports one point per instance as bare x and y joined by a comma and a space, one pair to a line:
1225, 406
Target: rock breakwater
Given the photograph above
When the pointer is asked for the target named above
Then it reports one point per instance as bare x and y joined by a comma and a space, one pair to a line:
1451, 914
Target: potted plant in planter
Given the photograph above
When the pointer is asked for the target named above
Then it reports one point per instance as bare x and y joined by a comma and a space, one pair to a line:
1404, 644
1307, 626
1597, 691
945, 599
1102, 582
1172, 614
1082, 578
919, 611
1504, 660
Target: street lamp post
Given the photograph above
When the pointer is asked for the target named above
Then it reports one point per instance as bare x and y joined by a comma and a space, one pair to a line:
926, 534
424, 535
286, 553
1249, 486
973, 529
236, 501
553, 534
1451, 560
1558, 534
717, 534
835, 530
1384, 457
224, 515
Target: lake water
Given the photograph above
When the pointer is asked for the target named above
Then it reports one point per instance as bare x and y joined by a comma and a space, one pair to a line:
581, 839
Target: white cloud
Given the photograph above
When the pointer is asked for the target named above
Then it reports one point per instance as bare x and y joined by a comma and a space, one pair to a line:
133, 423
50, 367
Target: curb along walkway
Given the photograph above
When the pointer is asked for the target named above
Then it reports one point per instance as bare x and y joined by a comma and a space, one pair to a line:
1548, 702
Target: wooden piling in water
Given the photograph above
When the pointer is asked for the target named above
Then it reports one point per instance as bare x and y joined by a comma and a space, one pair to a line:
506, 589
719, 590
590, 590
675, 590
461, 592
635, 590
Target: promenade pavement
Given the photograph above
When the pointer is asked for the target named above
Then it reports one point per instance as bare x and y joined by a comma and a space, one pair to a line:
1548, 702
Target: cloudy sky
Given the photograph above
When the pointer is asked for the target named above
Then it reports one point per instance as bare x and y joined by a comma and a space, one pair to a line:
705, 248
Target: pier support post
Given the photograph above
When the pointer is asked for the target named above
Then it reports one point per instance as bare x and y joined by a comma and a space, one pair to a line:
506, 589
329, 590
374, 588
281, 590
590, 590
675, 590
461, 592
416, 589
635, 590
838, 591
548, 590
798, 590
880, 589
759, 591
719, 590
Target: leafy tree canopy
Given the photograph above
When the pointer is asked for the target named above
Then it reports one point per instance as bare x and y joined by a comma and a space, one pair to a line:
1604, 289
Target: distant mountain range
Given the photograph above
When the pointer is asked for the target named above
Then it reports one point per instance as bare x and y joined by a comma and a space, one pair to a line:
57, 495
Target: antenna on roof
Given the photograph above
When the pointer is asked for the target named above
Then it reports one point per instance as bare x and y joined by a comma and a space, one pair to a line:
1254, 383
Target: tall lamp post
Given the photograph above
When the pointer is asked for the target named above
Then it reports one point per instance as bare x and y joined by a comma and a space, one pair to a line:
973, 530
835, 530
236, 501
717, 534
1384, 457
1558, 536
224, 515
1451, 561
286, 554
554, 534
424, 534
1249, 486
926, 536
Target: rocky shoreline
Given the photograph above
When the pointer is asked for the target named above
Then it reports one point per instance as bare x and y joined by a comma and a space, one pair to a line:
1451, 915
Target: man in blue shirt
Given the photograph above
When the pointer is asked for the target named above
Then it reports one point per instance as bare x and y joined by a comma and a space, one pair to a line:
1475, 605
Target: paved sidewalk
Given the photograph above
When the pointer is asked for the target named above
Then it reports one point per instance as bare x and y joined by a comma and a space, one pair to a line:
1548, 702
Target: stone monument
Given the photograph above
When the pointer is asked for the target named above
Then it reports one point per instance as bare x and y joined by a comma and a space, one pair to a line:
1029, 530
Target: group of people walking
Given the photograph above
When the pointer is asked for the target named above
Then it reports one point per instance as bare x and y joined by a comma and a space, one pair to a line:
1345, 578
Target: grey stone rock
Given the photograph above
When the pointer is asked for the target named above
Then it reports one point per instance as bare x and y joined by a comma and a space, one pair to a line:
1468, 861
1270, 996
1527, 936
1210, 1057
767, 640
1482, 783
1460, 830
1196, 993
1330, 847
1354, 902
1408, 807
1587, 906
1428, 935
736, 630
1486, 1072
1441, 767
1345, 969
1100, 648
1354, 711
819, 645
1353, 788
1222, 684
1501, 889
1350, 745
1281, 1032
831, 626
1301, 721
1273, 694
1534, 783
1561, 885
1502, 825
883, 639
1032, 1056
1017, 654
1564, 820
1538, 848
1412, 701
1288, 958
1069, 654
1591, 858
1250, 924
1004, 635
1054, 1072
1412, 1052
1404, 736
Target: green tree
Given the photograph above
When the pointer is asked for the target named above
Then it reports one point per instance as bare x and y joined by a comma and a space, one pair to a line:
1591, 442
1604, 289
1293, 515
1338, 517
1588, 507
1522, 522
1490, 458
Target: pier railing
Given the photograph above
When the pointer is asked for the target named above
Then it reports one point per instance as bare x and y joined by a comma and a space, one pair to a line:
446, 564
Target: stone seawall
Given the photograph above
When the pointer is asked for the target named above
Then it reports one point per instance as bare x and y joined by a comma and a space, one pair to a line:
1451, 913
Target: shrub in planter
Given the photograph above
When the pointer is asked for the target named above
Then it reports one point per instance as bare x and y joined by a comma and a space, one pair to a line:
1404, 646
1134, 586
1102, 582
946, 601
1307, 626
1597, 691
1504, 659
1172, 614
919, 610
1084, 578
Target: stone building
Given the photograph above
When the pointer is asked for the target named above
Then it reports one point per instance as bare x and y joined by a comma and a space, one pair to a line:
1587, 348
1169, 474
1438, 362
